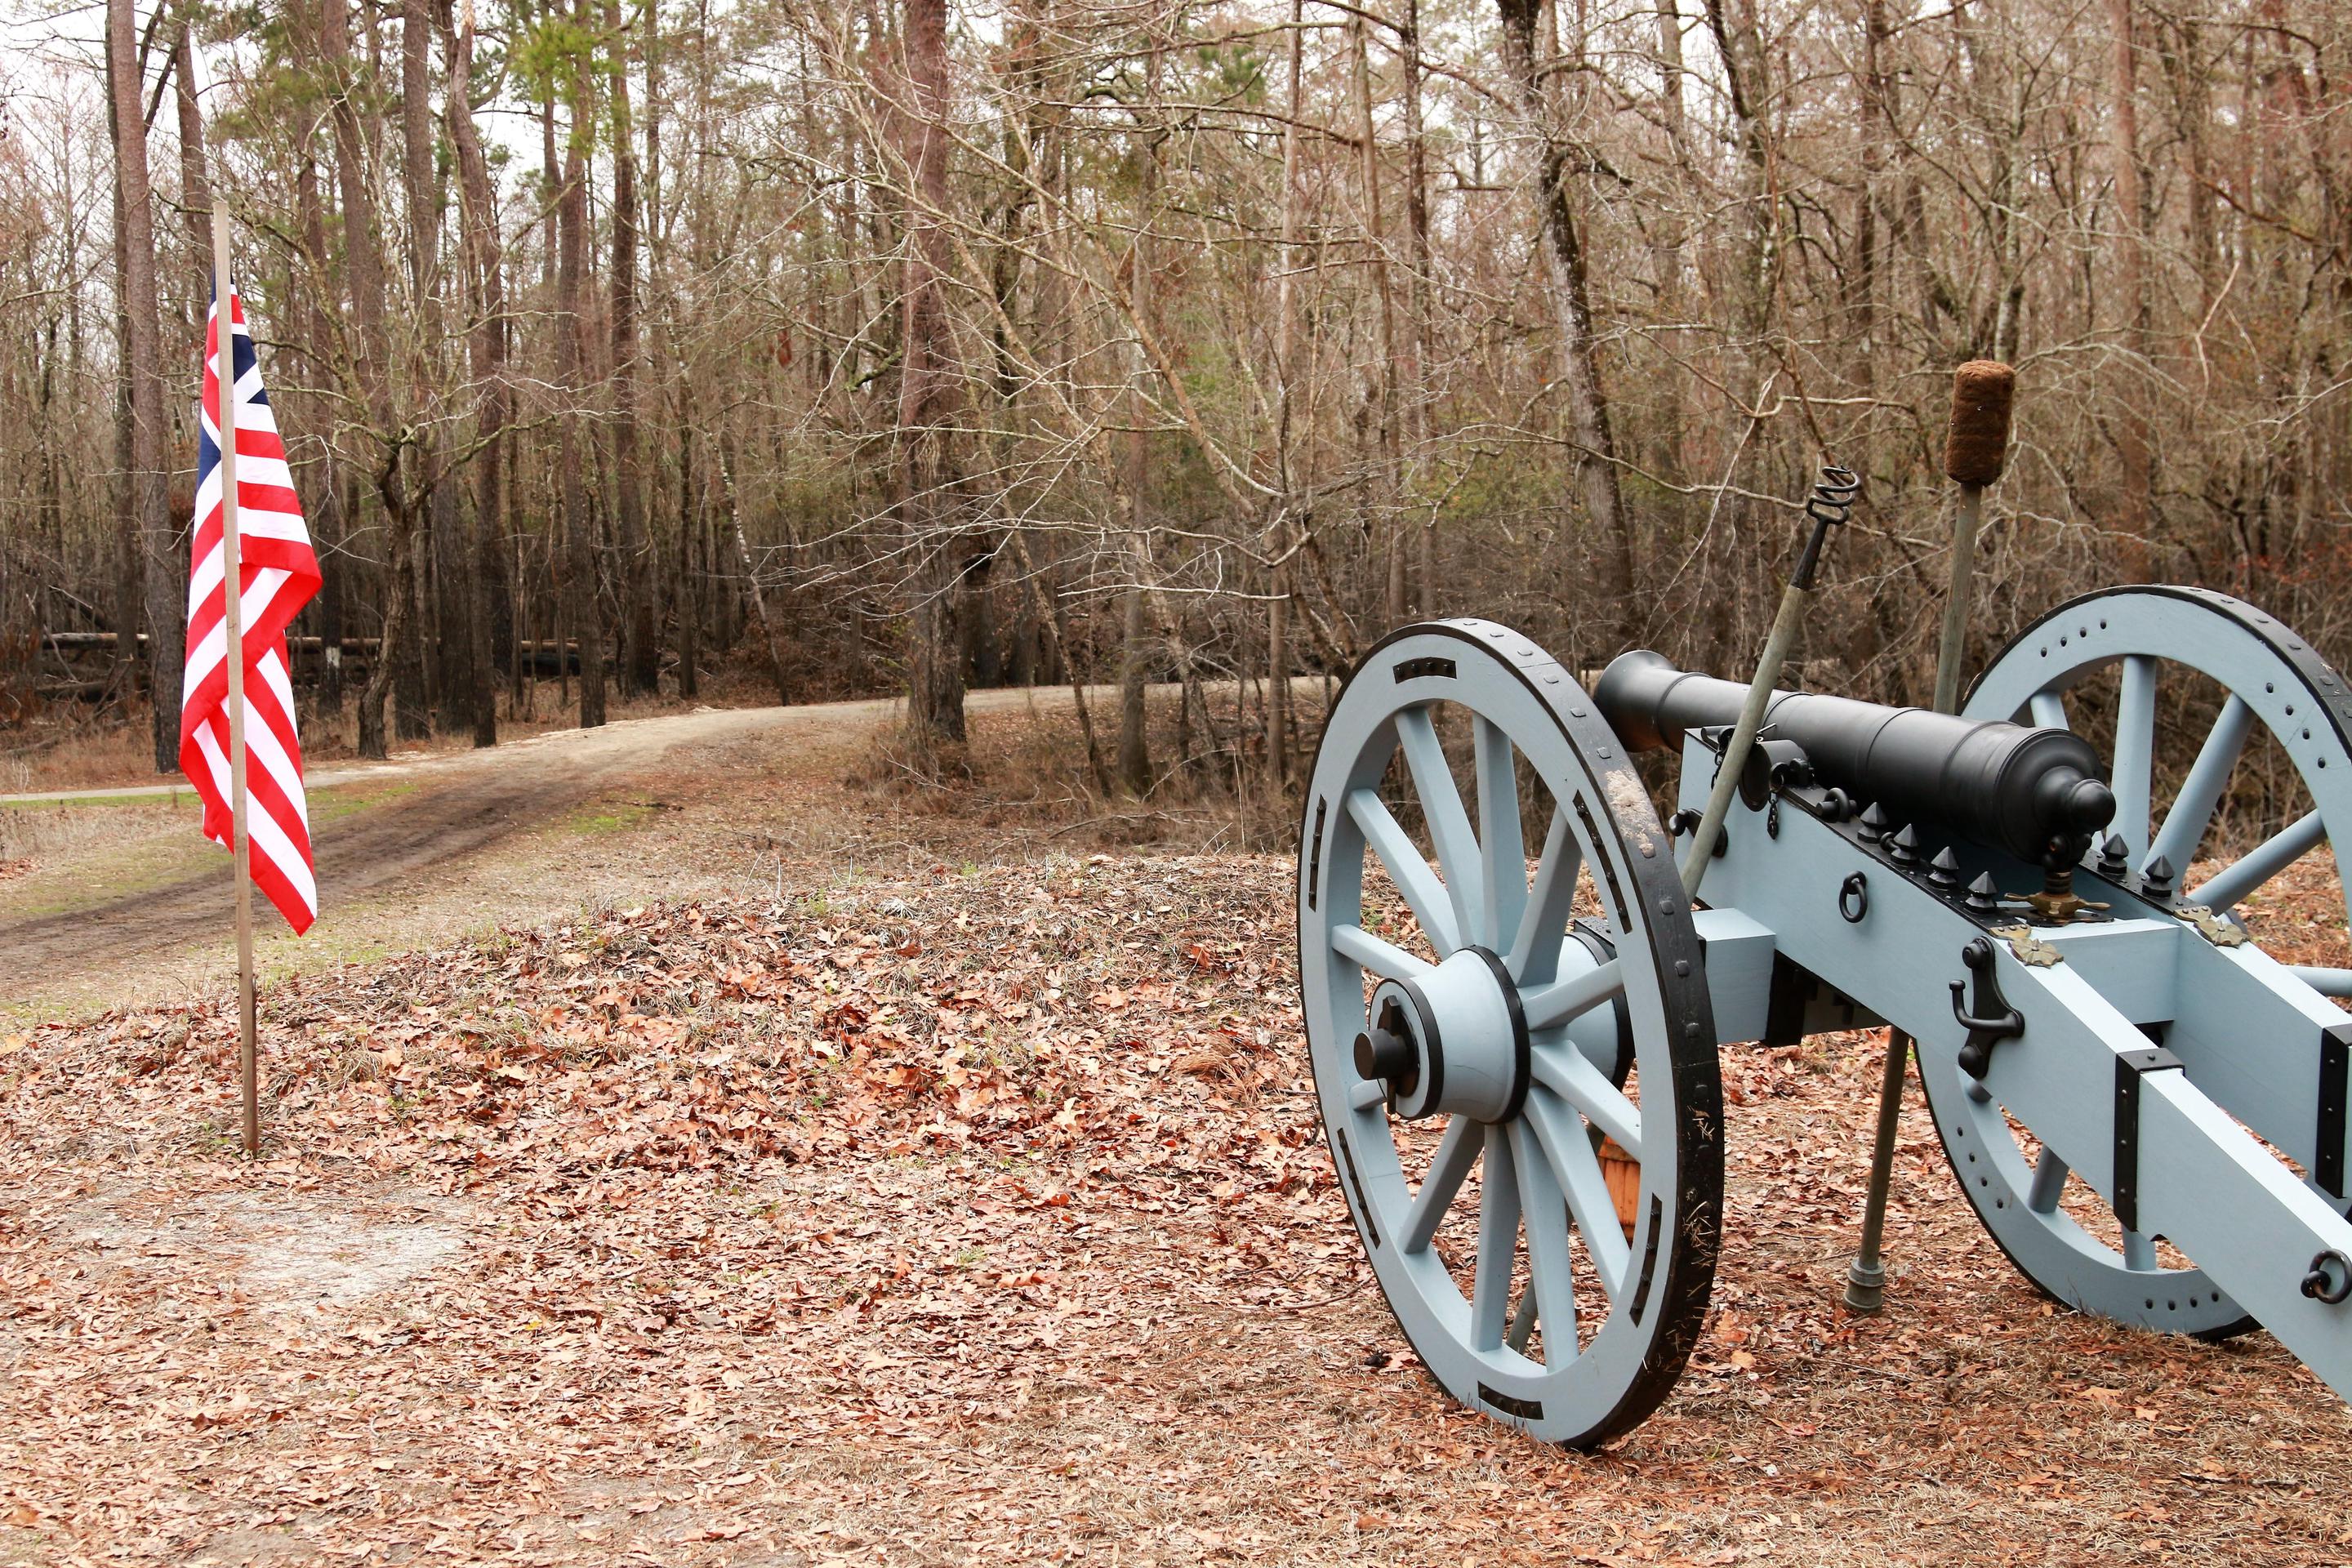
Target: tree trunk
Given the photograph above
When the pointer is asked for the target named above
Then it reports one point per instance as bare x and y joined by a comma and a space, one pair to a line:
364, 266
927, 393
165, 587
685, 599
1134, 673
769, 640
688, 600
1386, 515
1286, 371
453, 569
195, 189
325, 504
1564, 264
1414, 362
1134, 756
580, 598
641, 642
124, 497
1877, 131
487, 347
2132, 519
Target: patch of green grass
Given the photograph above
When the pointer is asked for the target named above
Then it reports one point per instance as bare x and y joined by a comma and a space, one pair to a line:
87, 881
331, 805
328, 942
183, 797
600, 818
158, 858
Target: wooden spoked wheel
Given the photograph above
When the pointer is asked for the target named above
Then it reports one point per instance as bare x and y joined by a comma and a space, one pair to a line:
1516, 1070
2270, 684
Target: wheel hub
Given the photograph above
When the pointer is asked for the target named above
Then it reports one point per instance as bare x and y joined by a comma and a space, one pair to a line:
1453, 1042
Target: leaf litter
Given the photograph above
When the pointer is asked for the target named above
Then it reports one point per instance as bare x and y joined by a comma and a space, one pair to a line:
977, 1216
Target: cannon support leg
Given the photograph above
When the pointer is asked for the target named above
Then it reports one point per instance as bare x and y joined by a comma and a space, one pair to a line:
1866, 1276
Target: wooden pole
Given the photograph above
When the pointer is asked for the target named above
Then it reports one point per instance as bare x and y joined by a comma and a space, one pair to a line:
1975, 450
1951, 652
232, 593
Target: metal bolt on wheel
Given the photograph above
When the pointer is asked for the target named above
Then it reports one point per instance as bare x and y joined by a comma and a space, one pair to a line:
1504, 1062
2272, 680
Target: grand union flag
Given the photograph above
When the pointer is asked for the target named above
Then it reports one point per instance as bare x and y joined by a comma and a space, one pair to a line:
278, 572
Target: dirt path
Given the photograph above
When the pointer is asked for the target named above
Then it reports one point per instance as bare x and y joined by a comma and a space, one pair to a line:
406, 851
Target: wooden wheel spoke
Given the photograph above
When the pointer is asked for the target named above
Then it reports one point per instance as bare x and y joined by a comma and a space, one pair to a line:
1385, 959
1457, 1150
1499, 1245
1576, 1168
1502, 849
1423, 893
1568, 1073
2135, 750
1449, 822
2049, 710
2337, 982
2262, 862
1548, 1006
1551, 1280
1534, 956
2192, 812
1523, 1320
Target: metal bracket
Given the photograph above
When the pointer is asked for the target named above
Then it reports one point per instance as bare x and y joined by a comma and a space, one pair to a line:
2030, 950
1988, 1017
2335, 1079
2130, 1067
2212, 927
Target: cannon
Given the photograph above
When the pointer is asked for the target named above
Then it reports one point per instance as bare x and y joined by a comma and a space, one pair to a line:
1514, 1009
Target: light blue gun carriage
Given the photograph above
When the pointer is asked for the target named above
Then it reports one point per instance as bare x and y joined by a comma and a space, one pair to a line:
2085, 1009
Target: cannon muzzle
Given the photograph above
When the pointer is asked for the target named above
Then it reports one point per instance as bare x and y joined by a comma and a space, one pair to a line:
2007, 786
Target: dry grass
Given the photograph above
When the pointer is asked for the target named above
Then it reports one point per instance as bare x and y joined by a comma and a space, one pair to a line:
1024, 772
69, 749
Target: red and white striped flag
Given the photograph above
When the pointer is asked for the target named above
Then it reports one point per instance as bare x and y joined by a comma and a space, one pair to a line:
278, 572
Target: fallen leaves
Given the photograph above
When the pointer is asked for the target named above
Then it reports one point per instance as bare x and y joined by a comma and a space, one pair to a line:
786, 1232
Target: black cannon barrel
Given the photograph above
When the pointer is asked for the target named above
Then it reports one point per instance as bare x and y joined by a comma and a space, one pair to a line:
2002, 784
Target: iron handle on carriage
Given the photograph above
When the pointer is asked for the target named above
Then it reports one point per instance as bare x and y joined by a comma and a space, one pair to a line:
1988, 1017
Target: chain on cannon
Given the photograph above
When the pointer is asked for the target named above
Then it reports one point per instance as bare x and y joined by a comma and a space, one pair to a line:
1515, 1009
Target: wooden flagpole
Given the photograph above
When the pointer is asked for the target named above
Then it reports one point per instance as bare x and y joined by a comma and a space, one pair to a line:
232, 593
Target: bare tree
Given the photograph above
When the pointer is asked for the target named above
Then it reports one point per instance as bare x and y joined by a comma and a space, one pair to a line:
150, 508
487, 350
1566, 269
641, 648
928, 399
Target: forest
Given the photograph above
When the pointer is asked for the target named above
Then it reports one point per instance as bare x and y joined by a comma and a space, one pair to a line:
910, 347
